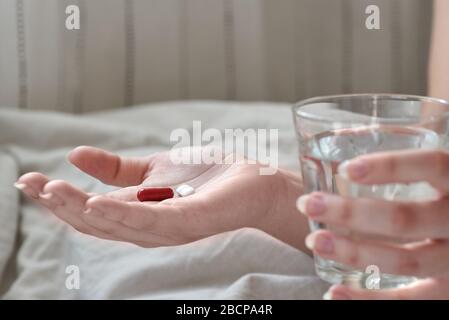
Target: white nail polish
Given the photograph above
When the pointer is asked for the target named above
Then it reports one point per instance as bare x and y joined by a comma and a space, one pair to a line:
310, 241
343, 169
327, 296
26, 190
185, 190
20, 186
301, 204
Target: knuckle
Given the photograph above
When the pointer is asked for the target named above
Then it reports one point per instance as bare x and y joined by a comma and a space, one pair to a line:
441, 162
54, 185
51, 206
403, 218
33, 176
407, 264
353, 258
390, 164
346, 213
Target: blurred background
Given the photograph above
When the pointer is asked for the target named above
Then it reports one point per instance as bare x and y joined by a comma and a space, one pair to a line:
131, 52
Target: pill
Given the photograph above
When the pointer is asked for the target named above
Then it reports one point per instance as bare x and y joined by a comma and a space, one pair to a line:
185, 190
154, 194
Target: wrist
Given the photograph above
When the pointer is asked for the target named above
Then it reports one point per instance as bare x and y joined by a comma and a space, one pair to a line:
283, 220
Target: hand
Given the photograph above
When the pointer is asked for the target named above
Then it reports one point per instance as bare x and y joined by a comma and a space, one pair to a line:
227, 197
427, 222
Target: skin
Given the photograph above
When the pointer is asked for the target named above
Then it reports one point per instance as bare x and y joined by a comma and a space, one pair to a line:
425, 223
439, 62
235, 196
227, 197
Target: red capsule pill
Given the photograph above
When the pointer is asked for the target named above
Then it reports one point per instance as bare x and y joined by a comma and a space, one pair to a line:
155, 194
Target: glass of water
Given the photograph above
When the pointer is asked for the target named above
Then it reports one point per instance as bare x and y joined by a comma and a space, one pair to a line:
333, 129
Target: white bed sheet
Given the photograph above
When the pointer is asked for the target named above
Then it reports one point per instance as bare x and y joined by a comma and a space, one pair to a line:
35, 247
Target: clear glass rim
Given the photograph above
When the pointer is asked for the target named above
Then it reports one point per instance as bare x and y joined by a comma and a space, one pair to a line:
314, 117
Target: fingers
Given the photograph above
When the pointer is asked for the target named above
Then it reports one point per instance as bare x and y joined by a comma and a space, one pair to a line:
125, 194
31, 184
412, 220
110, 168
112, 216
64, 200
417, 259
427, 289
121, 232
150, 217
400, 167
67, 203
154, 225
133, 216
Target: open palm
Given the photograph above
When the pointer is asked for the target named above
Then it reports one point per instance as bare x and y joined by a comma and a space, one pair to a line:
228, 197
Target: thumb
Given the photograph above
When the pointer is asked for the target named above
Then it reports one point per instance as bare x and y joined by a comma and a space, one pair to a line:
110, 168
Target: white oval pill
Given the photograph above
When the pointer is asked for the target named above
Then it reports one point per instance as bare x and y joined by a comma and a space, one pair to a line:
185, 190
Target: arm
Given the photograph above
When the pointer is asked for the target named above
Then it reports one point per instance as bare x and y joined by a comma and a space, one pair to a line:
439, 52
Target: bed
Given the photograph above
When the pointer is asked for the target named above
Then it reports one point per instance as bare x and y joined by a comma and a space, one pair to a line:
36, 248
142, 68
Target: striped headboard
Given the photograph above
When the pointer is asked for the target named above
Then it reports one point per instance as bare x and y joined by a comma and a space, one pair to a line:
134, 51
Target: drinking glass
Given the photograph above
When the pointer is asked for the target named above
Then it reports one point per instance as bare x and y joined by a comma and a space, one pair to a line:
333, 129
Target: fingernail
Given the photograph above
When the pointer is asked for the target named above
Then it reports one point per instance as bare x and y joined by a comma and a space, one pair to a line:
311, 205
20, 186
301, 204
335, 296
340, 296
327, 296
353, 169
52, 198
320, 243
26, 189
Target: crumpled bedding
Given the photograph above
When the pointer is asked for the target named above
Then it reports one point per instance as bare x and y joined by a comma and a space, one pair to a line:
36, 248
